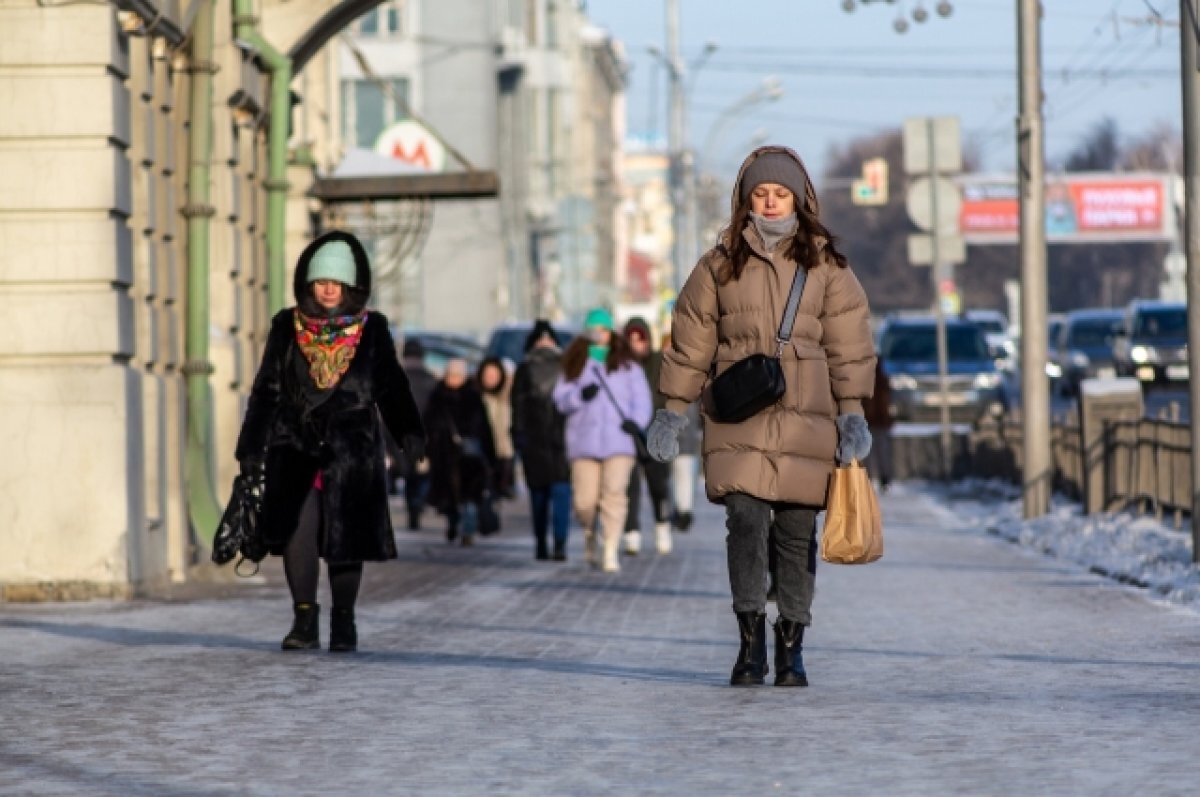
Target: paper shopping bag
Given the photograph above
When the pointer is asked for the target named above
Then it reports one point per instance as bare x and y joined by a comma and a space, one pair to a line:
853, 532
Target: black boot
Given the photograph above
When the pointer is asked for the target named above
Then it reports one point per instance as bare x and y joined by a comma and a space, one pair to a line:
305, 633
543, 550
343, 635
789, 663
560, 551
682, 521
751, 666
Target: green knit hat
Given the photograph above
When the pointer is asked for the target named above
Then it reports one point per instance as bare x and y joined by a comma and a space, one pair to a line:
334, 261
599, 317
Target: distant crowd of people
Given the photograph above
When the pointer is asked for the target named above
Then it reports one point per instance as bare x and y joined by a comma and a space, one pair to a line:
574, 420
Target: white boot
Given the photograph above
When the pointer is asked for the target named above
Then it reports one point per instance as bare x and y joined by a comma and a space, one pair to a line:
589, 548
611, 563
633, 542
662, 537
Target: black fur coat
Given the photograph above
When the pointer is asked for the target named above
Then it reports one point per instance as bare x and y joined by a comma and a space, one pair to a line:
298, 431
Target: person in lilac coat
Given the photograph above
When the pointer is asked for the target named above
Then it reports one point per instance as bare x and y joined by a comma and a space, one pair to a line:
605, 397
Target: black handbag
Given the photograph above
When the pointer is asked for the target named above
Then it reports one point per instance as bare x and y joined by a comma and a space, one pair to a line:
629, 427
756, 382
238, 531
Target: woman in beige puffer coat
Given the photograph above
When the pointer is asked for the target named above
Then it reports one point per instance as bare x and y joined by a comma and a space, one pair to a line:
772, 470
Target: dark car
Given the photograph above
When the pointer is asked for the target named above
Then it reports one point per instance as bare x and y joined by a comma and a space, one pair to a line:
908, 347
508, 340
1152, 344
441, 347
1084, 348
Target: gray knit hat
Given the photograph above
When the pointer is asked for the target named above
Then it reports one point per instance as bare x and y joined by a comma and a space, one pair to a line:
775, 167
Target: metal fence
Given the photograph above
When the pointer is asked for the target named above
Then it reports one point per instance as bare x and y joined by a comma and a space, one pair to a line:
1146, 463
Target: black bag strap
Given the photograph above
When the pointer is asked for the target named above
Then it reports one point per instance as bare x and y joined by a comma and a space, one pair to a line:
612, 398
624, 419
790, 310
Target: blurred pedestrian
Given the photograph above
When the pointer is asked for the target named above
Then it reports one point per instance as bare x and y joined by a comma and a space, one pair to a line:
880, 419
684, 468
495, 384
462, 452
607, 403
416, 474
772, 470
538, 432
312, 428
657, 474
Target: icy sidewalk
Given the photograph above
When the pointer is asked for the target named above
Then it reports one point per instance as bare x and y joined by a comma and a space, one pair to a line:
956, 665
1133, 549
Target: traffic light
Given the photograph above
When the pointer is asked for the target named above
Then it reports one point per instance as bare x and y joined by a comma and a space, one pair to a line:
872, 189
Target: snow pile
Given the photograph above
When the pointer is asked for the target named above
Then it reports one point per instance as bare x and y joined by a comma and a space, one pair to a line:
1130, 548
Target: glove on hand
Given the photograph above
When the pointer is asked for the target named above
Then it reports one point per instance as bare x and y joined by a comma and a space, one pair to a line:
854, 439
414, 447
589, 392
662, 438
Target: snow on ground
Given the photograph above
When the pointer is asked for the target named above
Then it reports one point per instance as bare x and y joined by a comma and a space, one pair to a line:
1133, 549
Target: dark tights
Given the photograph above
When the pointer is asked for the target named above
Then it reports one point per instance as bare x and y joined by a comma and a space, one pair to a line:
302, 562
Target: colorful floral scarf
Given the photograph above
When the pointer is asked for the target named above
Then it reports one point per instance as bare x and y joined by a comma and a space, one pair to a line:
328, 344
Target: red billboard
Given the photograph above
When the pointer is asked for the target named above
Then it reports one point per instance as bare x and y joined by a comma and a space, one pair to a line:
1079, 208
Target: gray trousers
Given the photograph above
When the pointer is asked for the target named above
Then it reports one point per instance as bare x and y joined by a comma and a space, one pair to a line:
755, 525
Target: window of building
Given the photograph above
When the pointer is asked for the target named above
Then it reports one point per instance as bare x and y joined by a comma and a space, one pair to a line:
367, 108
387, 19
551, 25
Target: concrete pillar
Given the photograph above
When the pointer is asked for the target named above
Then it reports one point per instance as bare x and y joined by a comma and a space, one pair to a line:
72, 514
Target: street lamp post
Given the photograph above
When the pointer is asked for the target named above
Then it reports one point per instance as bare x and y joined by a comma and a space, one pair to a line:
681, 176
770, 91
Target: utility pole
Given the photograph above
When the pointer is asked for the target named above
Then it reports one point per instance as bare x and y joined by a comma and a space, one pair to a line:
676, 145
939, 272
1189, 28
1035, 387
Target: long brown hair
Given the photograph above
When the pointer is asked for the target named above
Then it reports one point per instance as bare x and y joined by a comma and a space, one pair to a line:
803, 249
576, 355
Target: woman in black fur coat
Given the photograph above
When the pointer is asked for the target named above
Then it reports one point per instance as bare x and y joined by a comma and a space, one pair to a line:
312, 426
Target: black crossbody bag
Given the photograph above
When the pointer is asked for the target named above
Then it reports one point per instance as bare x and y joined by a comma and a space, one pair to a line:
756, 382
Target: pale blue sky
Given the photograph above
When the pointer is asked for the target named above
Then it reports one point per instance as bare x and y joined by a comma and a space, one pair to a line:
846, 75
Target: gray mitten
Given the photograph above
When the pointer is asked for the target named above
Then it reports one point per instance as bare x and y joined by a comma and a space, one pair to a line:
854, 439
662, 438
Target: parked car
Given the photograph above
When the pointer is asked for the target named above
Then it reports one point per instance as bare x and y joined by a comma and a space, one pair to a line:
1084, 347
440, 347
908, 347
1152, 343
1054, 325
995, 330
507, 341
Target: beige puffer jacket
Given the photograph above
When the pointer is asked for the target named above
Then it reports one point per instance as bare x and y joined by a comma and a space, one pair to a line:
786, 452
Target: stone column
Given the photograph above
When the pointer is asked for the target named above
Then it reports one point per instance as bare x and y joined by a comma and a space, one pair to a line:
72, 517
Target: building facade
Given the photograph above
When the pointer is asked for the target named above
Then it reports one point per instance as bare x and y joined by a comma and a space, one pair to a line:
156, 191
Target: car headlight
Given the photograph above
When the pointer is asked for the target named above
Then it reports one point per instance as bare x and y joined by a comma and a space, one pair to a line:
987, 381
903, 382
1080, 360
1143, 354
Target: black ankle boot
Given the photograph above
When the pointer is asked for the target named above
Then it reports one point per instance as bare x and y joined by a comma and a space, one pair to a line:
343, 635
789, 663
305, 633
560, 551
543, 550
751, 666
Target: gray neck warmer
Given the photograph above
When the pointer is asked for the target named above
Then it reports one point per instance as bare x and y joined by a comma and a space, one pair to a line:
772, 231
